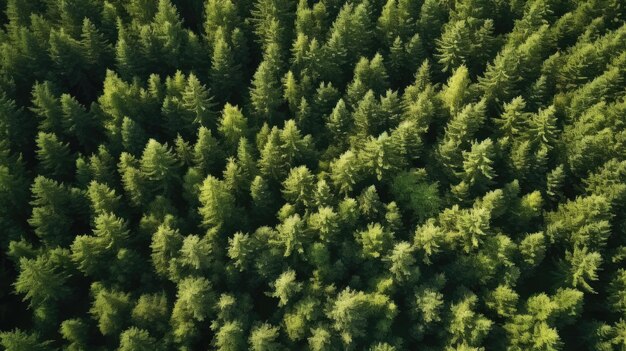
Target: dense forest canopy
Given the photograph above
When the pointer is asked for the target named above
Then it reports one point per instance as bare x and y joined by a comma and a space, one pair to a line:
274, 175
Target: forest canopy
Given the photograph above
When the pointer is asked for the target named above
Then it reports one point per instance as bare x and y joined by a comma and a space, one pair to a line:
273, 175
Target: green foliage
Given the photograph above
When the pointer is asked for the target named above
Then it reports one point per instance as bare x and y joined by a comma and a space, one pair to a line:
53, 156
40, 282
18, 340
312, 175
355, 314
158, 165
218, 204
137, 339
263, 338
232, 125
110, 309
414, 195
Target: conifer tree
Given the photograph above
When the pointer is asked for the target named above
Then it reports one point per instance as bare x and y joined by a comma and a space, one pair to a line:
192, 306
79, 122
477, 164
233, 125
197, 100
54, 209
110, 308
265, 93
263, 338
159, 166
218, 204
53, 156
206, 152
298, 186
322, 175
19, 340
225, 71
47, 107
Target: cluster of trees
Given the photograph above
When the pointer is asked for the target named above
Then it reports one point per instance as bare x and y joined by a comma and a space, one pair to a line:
324, 175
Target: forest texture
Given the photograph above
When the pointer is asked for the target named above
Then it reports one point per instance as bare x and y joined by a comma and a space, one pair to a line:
275, 175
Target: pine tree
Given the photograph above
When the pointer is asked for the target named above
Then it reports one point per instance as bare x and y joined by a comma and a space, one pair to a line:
542, 129
54, 156
197, 100
433, 15
456, 93
218, 204
367, 115
14, 129
225, 71
103, 199
141, 10
78, 122
262, 199
233, 125
47, 107
368, 75
454, 47
273, 13
168, 30
96, 50
21, 341
286, 287
339, 122
220, 14
134, 137
151, 312
352, 313
382, 157
513, 120
75, 332
272, 162
192, 305
345, 172
159, 166
477, 164
581, 268
166, 243
230, 337
467, 326
128, 54
67, 58
206, 152
137, 339
533, 248
375, 241
40, 282
110, 308
298, 187
263, 338
265, 92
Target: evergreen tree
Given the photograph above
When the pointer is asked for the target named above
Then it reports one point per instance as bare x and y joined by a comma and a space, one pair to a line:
47, 107
225, 72
218, 204
21, 341
320, 175
137, 339
110, 308
54, 211
197, 100
265, 93
263, 338
53, 156
206, 153
78, 122
233, 125
158, 165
